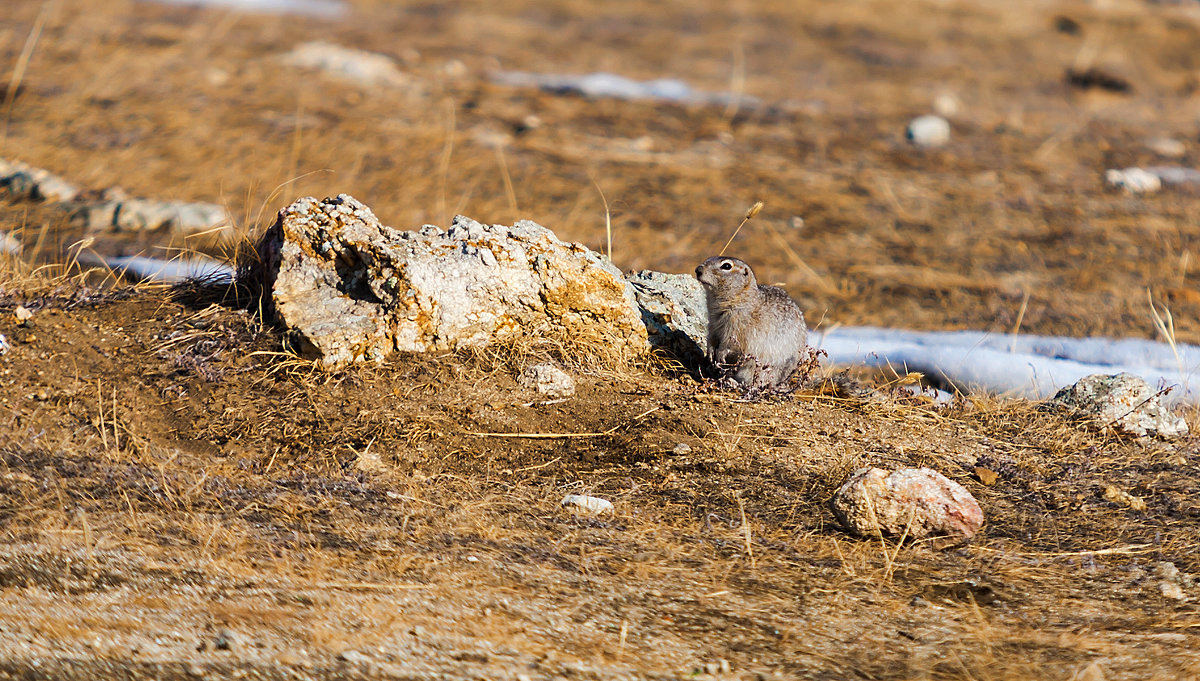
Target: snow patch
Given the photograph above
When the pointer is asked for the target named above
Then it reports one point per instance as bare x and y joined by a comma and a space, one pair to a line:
1022, 365
596, 85
312, 8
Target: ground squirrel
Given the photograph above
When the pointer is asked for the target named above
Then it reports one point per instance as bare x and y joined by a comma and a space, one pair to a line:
756, 334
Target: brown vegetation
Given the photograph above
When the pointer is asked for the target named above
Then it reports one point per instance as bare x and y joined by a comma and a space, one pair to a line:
178, 497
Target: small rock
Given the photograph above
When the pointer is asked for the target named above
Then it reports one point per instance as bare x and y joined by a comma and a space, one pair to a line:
548, 380
1171, 590
22, 180
358, 66
1123, 402
986, 475
9, 244
23, 315
1166, 146
1173, 582
1133, 180
1092, 672
1119, 496
224, 640
591, 504
682, 449
353, 657
929, 131
370, 462
919, 502
946, 105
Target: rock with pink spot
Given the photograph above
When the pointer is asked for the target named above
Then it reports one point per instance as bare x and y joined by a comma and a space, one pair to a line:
916, 503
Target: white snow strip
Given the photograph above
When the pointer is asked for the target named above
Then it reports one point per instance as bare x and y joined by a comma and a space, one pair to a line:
619, 87
173, 271
1033, 367
312, 8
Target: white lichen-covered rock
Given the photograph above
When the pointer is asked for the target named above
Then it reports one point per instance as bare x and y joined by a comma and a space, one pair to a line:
22, 179
9, 245
364, 68
351, 289
912, 502
548, 380
588, 503
1133, 180
1123, 402
929, 131
137, 215
675, 313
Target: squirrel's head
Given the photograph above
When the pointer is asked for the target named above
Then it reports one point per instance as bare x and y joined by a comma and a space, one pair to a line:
725, 275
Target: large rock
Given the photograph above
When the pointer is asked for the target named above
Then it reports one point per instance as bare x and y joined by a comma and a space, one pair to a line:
351, 289
1123, 402
916, 502
675, 313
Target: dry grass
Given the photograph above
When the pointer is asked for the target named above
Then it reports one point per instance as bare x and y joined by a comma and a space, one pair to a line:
343, 512
166, 472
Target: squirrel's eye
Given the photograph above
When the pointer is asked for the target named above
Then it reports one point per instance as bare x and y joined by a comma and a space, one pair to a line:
726, 266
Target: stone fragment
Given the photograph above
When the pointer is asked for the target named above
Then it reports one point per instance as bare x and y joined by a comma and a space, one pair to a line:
350, 289
548, 380
9, 245
22, 314
354, 657
358, 66
986, 475
225, 640
1123, 402
929, 131
682, 449
25, 181
1166, 146
674, 311
1092, 672
1119, 496
912, 502
590, 504
1173, 583
136, 215
946, 105
1133, 180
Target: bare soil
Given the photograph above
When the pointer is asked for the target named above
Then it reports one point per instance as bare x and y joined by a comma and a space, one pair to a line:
179, 499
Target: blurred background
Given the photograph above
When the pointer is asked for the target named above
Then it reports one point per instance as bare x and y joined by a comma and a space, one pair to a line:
996, 214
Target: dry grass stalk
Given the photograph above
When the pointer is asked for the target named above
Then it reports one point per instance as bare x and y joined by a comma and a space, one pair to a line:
758, 205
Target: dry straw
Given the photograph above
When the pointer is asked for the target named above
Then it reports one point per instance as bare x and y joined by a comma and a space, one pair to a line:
749, 214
